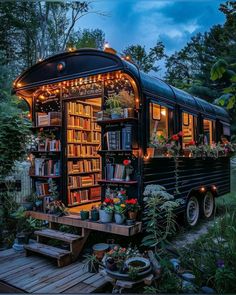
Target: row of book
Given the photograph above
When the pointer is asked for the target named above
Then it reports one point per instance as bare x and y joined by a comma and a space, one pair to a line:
77, 150
120, 139
45, 167
83, 136
83, 181
115, 172
51, 118
79, 109
81, 196
42, 188
78, 122
50, 145
83, 166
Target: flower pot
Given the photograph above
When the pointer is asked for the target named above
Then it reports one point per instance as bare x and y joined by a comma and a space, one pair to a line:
105, 216
84, 215
100, 249
111, 264
94, 215
119, 218
132, 215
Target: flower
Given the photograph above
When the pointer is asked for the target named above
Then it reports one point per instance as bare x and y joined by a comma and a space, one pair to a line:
127, 162
108, 201
116, 200
122, 205
192, 142
131, 201
175, 137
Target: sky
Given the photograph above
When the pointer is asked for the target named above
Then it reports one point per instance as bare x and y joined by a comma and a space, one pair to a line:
146, 21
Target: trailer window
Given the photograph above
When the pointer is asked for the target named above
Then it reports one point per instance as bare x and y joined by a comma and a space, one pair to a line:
187, 128
158, 123
208, 131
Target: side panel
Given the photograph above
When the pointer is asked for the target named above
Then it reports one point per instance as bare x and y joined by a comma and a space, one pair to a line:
191, 174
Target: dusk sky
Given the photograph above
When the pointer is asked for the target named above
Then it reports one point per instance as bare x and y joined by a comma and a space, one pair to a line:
145, 22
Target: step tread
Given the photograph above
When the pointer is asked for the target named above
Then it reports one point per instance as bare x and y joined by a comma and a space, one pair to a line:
58, 235
47, 250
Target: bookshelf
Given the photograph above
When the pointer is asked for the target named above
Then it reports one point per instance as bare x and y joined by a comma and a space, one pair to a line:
83, 163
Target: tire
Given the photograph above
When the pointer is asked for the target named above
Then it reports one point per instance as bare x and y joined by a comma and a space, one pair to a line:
192, 211
208, 205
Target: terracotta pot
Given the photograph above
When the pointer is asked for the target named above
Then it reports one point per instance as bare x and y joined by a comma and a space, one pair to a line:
132, 215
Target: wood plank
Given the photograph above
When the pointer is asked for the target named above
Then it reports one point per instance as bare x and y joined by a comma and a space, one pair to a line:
8, 252
76, 289
15, 263
47, 250
57, 235
75, 221
55, 275
93, 278
5, 288
65, 283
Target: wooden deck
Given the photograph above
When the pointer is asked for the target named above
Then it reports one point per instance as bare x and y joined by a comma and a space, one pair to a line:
74, 220
39, 275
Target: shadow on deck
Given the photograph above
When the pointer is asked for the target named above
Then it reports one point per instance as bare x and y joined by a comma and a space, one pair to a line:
39, 275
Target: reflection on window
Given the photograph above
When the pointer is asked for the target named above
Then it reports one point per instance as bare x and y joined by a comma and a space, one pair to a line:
187, 128
207, 132
158, 123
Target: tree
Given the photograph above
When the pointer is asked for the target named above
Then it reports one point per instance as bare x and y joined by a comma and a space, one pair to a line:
87, 39
146, 61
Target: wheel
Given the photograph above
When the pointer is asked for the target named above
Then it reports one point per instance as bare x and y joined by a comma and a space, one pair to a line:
207, 205
192, 211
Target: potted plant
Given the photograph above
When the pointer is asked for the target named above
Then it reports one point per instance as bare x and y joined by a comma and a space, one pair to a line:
92, 263
128, 169
114, 106
119, 209
94, 214
106, 211
132, 208
84, 214
58, 208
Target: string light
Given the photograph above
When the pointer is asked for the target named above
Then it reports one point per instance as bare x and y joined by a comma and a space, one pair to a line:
202, 189
214, 187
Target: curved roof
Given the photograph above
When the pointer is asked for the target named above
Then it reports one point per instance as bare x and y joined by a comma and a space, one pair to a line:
85, 62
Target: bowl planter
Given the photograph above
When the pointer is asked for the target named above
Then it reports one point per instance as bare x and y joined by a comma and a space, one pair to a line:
119, 218
105, 216
132, 215
140, 263
84, 215
100, 249
94, 215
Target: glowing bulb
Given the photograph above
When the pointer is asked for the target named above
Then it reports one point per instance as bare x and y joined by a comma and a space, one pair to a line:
214, 188
106, 45
163, 112
19, 85
202, 189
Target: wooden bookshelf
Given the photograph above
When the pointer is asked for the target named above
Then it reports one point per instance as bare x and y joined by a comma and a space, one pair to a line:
45, 126
45, 176
83, 141
117, 121
131, 182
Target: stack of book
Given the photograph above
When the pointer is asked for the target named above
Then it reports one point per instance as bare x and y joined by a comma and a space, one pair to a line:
79, 109
80, 196
115, 172
42, 188
80, 181
78, 150
45, 167
83, 166
51, 118
117, 140
50, 145
78, 122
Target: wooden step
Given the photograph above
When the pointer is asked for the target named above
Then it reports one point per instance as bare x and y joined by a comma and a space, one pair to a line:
57, 235
63, 257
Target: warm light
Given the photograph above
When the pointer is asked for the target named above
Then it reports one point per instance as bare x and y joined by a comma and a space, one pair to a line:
214, 188
202, 189
28, 158
146, 156
19, 85
127, 57
163, 112
40, 59
41, 96
106, 45
137, 100
29, 116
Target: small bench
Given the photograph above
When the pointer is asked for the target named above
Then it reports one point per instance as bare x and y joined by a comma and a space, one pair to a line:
63, 257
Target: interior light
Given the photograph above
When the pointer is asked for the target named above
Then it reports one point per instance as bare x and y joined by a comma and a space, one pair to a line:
163, 112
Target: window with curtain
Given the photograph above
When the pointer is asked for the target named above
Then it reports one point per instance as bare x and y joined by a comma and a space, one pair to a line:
158, 123
207, 131
187, 129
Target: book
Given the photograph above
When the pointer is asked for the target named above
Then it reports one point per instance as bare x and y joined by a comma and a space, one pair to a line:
47, 167
127, 137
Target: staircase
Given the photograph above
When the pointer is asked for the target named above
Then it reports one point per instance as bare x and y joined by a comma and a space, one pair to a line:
63, 257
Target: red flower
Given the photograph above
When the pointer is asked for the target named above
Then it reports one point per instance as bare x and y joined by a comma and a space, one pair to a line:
131, 201
181, 133
175, 137
41, 129
108, 201
126, 162
192, 142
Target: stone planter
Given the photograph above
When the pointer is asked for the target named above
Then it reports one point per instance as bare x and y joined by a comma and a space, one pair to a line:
119, 218
84, 215
105, 216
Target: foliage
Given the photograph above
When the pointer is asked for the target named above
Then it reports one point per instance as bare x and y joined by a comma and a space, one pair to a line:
107, 205
53, 189
13, 137
57, 207
159, 217
119, 205
87, 39
114, 105
146, 61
